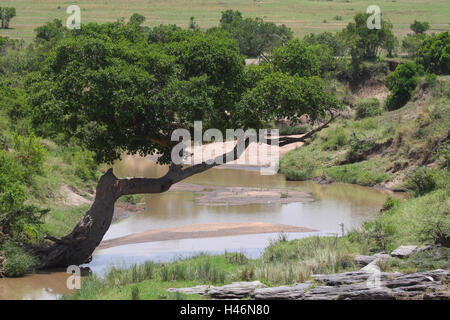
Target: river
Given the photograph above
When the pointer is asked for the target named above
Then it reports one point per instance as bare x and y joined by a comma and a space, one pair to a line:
334, 206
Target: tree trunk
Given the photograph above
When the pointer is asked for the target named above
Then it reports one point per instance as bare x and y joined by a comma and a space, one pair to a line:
77, 247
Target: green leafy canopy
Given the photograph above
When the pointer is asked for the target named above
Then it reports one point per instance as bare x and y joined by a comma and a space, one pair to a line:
118, 92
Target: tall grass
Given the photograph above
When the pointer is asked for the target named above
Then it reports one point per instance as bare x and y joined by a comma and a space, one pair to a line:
203, 270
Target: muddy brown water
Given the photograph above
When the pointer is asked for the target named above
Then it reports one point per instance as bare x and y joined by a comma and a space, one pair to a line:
334, 206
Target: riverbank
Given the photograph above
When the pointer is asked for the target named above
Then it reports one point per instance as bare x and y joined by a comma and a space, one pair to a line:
380, 150
283, 263
414, 221
405, 149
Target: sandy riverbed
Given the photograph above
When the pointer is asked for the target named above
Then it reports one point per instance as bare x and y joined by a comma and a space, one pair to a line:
202, 231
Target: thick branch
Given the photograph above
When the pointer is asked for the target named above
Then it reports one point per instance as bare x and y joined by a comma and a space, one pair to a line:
288, 140
222, 159
175, 174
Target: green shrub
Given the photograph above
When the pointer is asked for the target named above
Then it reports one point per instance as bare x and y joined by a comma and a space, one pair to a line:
253, 35
365, 173
333, 41
17, 219
412, 43
30, 152
421, 180
419, 27
335, 138
135, 293
368, 43
368, 108
83, 162
288, 262
358, 147
379, 234
430, 79
402, 83
442, 155
236, 258
300, 171
17, 262
437, 232
298, 57
247, 273
434, 53
389, 203
6, 14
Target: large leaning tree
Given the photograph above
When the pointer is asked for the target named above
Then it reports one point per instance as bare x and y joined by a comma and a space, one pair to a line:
117, 92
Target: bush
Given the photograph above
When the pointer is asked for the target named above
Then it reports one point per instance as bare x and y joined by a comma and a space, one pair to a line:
402, 83
357, 72
236, 258
412, 43
364, 173
438, 232
430, 79
335, 138
368, 108
135, 293
253, 35
288, 262
17, 262
367, 43
30, 152
304, 170
51, 31
389, 203
6, 14
83, 162
434, 54
297, 57
137, 19
18, 220
421, 180
442, 155
335, 42
132, 198
419, 27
